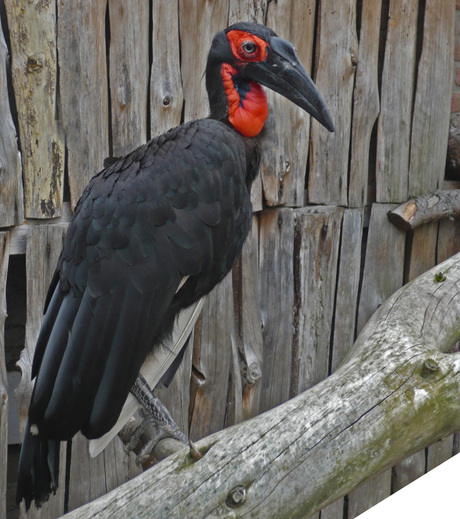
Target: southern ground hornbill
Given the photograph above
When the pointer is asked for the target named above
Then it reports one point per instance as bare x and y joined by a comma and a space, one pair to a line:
151, 235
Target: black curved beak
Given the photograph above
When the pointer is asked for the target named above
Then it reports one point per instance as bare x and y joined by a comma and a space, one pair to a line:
283, 73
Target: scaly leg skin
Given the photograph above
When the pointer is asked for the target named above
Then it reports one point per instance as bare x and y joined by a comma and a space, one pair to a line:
158, 421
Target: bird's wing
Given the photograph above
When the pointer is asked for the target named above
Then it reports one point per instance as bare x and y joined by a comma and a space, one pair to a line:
173, 208
154, 367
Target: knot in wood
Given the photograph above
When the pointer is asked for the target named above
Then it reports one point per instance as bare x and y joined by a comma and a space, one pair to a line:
34, 64
253, 373
429, 367
236, 496
166, 101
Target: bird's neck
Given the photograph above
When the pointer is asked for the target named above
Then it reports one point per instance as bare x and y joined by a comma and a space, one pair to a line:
234, 99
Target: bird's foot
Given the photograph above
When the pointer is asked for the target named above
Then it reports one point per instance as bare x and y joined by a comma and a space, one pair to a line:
143, 435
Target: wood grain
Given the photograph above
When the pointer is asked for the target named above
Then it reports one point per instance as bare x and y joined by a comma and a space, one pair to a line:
84, 89
366, 103
317, 238
128, 73
4, 258
394, 128
32, 28
430, 125
166, 96
336, 54
11, 194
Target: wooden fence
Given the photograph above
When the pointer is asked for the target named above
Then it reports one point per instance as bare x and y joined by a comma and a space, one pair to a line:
81, 81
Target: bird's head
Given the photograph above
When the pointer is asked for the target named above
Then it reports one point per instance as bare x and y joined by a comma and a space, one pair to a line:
247, 55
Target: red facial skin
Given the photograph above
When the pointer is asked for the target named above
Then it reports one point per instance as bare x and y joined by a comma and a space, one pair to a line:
246, 115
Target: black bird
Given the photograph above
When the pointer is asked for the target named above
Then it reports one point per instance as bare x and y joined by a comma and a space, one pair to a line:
151, 235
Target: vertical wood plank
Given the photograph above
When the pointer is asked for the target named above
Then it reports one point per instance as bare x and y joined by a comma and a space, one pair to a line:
166, 96
205, 19
129, 73
317, 238
248, 320
286, 135
366, 102
32, 28
4, 257
347, 285
338, 49
247, 11
384, 264
276, 282
393, 139
84, 90
44, 244
212, 357
369, 494
11, 195
430, 125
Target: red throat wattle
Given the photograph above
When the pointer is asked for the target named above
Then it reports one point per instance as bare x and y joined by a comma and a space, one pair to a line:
246, 114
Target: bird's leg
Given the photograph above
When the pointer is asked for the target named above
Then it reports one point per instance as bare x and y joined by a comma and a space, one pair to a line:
158, 421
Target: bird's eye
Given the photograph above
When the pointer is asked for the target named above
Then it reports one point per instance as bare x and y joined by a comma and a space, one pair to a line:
249, 47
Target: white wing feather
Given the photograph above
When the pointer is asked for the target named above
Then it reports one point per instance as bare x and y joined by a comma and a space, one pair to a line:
153, 369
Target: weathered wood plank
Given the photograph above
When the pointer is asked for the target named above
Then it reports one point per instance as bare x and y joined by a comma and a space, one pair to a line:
166, 97
248, 320
431, 114
32, 27
393, 139
11, 194
201, 18
366, 104
276, 285
347, 286
369, 494
4, 257
317, 238
129, 73
212, 357
91, 478
384, 264
338, 49
247, 11
286, 136
84, 89
44, 244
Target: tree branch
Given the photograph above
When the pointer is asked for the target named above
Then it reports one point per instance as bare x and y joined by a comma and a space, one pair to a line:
426, 208
396, 392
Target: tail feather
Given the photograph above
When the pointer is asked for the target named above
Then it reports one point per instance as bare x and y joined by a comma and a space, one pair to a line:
38, 469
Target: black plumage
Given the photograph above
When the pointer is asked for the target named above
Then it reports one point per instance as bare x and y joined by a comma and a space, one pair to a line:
177, 207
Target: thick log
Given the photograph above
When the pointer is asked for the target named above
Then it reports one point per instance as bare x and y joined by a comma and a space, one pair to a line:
426, 208
396, 392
